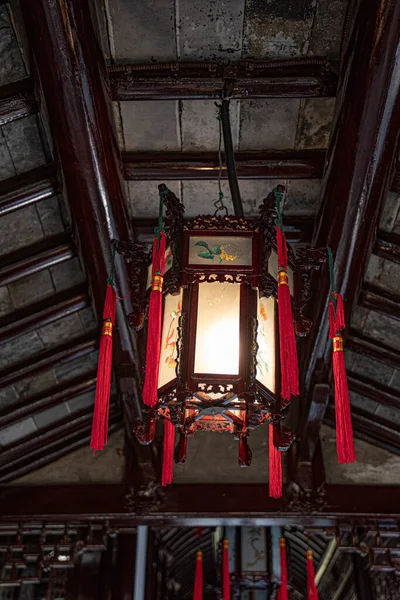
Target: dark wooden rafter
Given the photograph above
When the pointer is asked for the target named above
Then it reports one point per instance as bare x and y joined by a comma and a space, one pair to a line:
57, 395
396, 181
17, 100
260, 164
387, 246
357, 342
36, 258
52, 443
355, 184
196, 504
380, 300
29, 188
48, 359
296, 78
374, 390
44, 312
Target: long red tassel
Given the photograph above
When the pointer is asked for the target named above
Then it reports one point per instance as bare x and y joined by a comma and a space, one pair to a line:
275, 466
283, 589
226, 580
150, 387
168, 456
344, 429
198, 577
312, 593
103, 385
287, 340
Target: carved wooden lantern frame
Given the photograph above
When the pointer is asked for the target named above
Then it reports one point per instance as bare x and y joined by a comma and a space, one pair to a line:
210, 261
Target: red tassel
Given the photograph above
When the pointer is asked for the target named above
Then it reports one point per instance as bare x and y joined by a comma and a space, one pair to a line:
287, 340
344, 429
312, 593
275, 466
198, 578
150, 396
226, 580
168, 456
283, 589
103, 385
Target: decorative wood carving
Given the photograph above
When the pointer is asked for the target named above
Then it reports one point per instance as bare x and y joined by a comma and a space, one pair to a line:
215, 223
146, 499
175, 214
137, 259
305, 501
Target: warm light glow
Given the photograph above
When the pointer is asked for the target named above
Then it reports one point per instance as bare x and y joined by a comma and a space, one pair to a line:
217, 335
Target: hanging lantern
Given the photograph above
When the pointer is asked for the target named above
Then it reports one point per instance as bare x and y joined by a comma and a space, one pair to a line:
219, 367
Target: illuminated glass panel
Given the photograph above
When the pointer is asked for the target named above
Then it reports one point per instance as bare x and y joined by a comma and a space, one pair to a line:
169, 337
266, 342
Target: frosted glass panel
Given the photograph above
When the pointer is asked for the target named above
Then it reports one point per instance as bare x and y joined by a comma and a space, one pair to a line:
266, 342
172, 312
273, 270
220, 250
217, 333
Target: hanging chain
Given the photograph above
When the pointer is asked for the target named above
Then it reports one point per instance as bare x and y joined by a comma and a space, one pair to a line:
219, 204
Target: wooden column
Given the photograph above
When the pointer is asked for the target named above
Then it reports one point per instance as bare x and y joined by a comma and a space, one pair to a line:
360, 164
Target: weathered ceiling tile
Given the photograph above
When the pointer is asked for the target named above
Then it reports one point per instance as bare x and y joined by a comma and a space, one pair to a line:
51, 415
372, 369
14, 433
67, 274
24, 143
302, 196
144, 197
88, 320
142, 31
277, 28
210, 29
389, 413
383, 328
151, 125
7, 168
224, 449
359, 318
327, 28
6, 301
268, 124
253, 192
20, 348
60, 331
80, 402
362, 402
12, 66
19, 229
199, 197
8, 397
384, 274
74, 368
200, 126
32, 289
51, 216
315, 123
36, 385
373, 466
395, 382
391, 212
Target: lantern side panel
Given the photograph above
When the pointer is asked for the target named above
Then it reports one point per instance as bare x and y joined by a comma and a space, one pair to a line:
168, 355
266, 342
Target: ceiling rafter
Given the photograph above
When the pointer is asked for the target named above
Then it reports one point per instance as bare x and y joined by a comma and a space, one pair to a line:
357, 342
380, 300
258, 164
26, 189
17, 100
387, 246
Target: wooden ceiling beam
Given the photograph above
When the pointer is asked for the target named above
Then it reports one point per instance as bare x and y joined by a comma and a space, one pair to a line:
60, 440
17, 100
356, 181
259, 164
54, 396
357, 342
373, 390
44, 312
48, 359
295, 78
396, 181
387, 246
36, 258
195, 505
376, 298
28, 188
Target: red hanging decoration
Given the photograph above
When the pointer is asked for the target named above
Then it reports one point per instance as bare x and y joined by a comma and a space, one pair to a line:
150, 396
103, 386
344, 429
275, 466
226, 580
287, 340
198, 577
283, 589
312, 593
168, 456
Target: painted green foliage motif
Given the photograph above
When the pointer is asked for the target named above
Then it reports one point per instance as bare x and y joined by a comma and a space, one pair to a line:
214, 252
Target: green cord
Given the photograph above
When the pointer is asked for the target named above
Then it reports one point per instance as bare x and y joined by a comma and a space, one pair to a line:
278, 197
